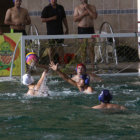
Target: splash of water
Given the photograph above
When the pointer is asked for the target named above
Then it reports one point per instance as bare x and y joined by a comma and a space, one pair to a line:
43, 90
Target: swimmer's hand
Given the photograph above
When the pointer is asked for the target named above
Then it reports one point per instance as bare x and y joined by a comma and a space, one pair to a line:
53, 66
44, 74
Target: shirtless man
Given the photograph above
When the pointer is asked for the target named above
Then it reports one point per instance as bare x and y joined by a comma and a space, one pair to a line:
84, 15
80, 80
105, 97
17, 17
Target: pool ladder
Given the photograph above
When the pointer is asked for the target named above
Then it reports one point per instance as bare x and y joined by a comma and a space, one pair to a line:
34, 43
105, 57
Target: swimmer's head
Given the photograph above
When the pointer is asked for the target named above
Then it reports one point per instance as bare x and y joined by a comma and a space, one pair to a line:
81, 69
105, 96
84, 1
17, 3
15, 0
52, 2
27, 79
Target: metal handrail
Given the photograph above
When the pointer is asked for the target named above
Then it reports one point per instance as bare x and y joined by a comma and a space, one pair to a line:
33, 28
113, 43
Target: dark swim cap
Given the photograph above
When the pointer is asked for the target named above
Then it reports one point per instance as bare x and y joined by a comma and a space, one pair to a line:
105, 96
86, 79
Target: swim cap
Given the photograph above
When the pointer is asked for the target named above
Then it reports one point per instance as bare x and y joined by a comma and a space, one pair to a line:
81, 65
105, 96
27, 79
86, 79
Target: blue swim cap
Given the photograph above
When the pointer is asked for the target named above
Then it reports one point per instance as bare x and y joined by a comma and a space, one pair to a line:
105, 96
86, 79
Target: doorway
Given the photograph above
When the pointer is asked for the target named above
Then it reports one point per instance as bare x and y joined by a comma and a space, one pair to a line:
4, 5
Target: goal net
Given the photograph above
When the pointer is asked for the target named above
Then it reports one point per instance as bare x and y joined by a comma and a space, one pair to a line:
103, 53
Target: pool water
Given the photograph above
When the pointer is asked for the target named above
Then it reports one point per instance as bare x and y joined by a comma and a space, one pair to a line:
66, 114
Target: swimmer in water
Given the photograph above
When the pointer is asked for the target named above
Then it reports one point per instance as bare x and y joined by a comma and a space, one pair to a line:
33, 89
105, 97
81, 80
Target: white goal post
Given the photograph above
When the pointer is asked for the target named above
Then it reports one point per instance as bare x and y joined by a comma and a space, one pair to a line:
73, 36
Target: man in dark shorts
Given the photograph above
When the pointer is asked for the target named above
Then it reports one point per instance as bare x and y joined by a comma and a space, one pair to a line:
86, 30
84, 15
54, 16
17, 17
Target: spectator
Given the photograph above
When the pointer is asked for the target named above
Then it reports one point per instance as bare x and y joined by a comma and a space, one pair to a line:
54, 16
17, 17
81, 80
84, 15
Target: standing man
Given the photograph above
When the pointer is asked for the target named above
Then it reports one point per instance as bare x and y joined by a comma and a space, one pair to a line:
17, 17
54, 16
84, 15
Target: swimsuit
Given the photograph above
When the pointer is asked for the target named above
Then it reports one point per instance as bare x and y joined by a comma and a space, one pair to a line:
86, 30
20, 31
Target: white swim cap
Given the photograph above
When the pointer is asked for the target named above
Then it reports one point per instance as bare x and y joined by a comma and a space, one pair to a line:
27, 79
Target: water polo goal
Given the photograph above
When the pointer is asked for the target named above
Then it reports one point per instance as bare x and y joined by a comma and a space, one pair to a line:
104, 53
115, 53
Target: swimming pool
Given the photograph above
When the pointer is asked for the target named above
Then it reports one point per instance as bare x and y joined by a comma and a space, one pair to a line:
66, 115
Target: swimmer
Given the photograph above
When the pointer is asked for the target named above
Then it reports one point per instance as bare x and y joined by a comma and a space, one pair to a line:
81, 73
105, 97
34, 89
80, 80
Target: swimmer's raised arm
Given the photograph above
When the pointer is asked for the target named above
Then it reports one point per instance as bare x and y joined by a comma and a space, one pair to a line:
41, 79
61, 74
